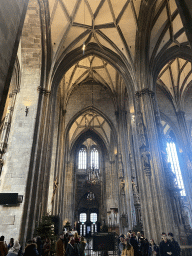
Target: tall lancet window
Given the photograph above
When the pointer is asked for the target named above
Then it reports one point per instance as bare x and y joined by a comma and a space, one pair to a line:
94, 158
82, 161
174, 161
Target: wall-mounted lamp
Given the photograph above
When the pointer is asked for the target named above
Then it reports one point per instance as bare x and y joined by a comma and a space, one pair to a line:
26, 111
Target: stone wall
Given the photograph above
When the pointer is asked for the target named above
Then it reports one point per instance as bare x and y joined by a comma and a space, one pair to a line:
11, 20
17, 157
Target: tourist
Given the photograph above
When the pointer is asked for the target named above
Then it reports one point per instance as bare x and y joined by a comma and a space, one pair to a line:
153, 248
31, 249
66, 240
121, 244
71, 248
60, 246
3, 248
76, 238
165, 247
39, 245
128, 249
175, 246
14, 250
135, 245
81, 247
11, 243
47, 247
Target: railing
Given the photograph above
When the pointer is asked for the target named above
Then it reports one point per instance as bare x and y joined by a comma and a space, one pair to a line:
90, 252
186, 250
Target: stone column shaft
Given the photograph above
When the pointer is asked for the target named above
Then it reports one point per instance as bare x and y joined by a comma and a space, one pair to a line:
157, 207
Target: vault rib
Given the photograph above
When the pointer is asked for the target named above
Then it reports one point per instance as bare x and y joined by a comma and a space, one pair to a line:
65, 10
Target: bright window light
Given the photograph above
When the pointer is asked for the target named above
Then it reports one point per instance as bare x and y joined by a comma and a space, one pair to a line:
82, 163
173, 159
83, 217
94, 158
93, 217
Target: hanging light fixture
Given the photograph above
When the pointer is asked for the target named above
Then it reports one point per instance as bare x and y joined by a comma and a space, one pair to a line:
83, 48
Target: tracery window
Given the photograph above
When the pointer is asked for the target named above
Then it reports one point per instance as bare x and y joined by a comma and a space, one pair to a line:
94, 158
174, 161
82, 160
83, 217
93, 217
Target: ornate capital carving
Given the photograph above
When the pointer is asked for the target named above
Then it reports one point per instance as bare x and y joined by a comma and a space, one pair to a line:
143, 92
43, 91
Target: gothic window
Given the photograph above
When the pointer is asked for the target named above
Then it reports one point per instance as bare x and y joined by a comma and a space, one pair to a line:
83, 217
94, 158
93, 217
82, 161
174, 161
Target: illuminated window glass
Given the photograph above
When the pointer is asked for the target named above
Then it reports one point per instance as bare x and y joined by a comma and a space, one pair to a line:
83, 217
82, 163
93, 217
94, 158
174, 161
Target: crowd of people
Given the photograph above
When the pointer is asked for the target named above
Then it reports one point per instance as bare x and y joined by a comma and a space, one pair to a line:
67, 245
73, 245
138, 245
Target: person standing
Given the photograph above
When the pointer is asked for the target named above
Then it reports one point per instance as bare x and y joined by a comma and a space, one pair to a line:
175, 245
47, 247
11, 243
81, 247
71, 248
135, 245
14, 250
31, 249
121, 244
165, 247
3, 248
60, 246
153, 248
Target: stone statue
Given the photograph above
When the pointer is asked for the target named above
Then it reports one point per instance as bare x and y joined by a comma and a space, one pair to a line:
122, 187
135, 193
145, 160
141, 131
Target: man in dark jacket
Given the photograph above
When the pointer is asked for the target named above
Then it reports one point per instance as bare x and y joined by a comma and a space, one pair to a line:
165, 247
175, 246
72, 248
31, 249
135, 245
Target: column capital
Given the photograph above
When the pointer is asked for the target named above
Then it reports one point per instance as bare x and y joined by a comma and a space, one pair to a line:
144, 91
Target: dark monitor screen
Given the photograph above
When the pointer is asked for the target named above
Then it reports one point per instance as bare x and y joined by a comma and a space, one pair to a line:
8, 198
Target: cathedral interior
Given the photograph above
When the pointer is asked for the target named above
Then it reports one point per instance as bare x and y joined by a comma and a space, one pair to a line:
96, 116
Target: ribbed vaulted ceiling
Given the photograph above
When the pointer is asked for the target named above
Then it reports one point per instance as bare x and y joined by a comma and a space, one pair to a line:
114, 24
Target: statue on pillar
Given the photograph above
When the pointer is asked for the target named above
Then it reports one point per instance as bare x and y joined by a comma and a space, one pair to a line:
122, 187
141, 130
145, 155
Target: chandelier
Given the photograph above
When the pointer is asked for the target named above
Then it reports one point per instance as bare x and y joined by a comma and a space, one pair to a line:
90, 196
93, 176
